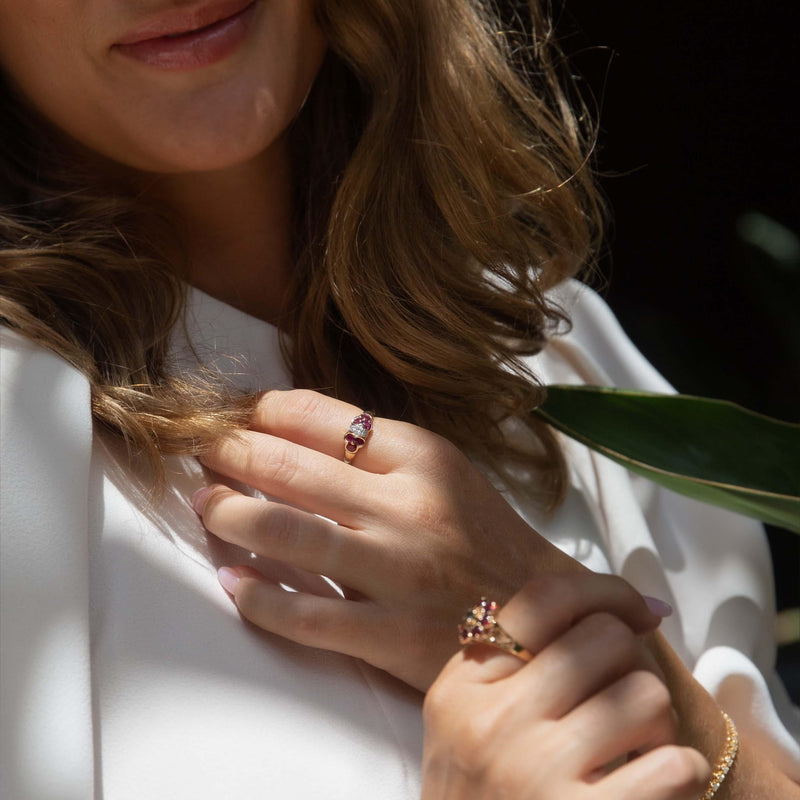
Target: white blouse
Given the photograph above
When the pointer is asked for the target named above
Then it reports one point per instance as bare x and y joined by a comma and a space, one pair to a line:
127, 673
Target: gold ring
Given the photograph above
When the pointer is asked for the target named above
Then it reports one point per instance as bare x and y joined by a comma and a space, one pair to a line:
481, 627
357, 434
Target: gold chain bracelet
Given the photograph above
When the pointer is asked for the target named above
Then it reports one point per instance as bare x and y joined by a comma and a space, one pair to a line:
726, 759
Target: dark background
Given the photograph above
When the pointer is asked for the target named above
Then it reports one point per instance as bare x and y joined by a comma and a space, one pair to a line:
699, 140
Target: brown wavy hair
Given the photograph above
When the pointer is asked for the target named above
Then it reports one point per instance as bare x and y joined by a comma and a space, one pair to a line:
442, 187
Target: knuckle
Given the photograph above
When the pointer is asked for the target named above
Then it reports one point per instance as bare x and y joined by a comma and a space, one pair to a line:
620, 584
301, 404
553, 592
281, 408
438, 703
626, 590
309, 625
439, 455
443, 710
684, 769
216, 496
632, 603
651, 692
273, 462
612, 632
444, 455
281, 525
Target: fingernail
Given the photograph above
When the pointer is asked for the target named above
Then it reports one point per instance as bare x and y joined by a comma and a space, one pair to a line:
199, 498
658, 607
228, 578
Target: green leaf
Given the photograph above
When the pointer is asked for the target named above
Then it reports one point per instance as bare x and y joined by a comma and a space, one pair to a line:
711, 450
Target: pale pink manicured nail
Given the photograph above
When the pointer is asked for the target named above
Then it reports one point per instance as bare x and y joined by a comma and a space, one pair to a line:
228, 578
658, 607
199, 498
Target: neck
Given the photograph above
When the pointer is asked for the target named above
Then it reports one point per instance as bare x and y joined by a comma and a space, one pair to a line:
235, 228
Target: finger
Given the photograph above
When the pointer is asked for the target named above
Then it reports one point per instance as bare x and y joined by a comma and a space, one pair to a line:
595, 653
666, 773
320, 423
325, 623
479, 663
295, 474
633, 714
277, 531
550, 604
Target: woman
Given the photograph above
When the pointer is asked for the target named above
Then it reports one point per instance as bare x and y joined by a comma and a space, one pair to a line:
376, 182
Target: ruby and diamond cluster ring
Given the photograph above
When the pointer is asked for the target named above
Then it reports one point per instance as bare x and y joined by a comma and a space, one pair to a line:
357, 434
481, 627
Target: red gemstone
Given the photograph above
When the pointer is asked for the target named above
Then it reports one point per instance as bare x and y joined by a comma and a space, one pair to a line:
363, 419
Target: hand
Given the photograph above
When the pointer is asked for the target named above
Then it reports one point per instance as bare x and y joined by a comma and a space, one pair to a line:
552, 728
413, 531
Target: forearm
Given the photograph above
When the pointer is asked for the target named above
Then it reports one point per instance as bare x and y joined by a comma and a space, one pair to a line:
702, 726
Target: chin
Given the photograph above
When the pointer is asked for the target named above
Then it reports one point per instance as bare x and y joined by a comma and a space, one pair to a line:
202, 155
202, 136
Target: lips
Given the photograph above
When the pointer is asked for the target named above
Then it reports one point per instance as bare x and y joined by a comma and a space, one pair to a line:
181, 39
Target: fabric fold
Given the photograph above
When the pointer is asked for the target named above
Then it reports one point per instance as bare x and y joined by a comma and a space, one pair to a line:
45, 663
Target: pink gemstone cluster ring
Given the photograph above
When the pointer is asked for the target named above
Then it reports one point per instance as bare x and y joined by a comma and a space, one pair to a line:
481, 627
357, 434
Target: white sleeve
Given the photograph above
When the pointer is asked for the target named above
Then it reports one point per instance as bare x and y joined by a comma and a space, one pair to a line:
712, 565
45, 452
